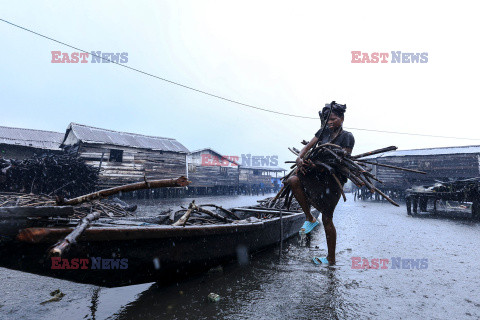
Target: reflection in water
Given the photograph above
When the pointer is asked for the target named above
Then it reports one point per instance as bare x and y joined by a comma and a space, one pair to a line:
94, 306
259, 290
242, 255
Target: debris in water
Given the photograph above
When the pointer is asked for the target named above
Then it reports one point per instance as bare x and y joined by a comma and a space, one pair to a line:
213, 297
57, 295
217, 269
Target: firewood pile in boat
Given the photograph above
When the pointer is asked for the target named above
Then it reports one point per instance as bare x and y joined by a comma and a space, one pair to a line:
279, 204
200, 215
333, 159
41, 213
106, 207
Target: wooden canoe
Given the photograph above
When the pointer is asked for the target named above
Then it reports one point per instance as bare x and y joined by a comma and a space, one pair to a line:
118, 255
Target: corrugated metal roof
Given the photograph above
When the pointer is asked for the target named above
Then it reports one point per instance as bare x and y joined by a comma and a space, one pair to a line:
429, 152
217, 153
104, 136
40, 139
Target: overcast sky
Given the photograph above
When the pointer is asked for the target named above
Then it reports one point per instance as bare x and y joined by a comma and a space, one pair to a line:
290, 57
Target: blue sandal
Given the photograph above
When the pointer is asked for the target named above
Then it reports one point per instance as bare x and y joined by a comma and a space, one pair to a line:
320, 260
308, 226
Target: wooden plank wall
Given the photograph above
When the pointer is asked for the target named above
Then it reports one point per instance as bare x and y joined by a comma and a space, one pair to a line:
211, 176
438, 167
247, 177
136, 163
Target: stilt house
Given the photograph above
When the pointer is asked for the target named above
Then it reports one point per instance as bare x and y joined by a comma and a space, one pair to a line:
126, 157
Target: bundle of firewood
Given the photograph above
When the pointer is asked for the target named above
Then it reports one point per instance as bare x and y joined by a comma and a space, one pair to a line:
279, 204
65, 175
196, 214
334, 160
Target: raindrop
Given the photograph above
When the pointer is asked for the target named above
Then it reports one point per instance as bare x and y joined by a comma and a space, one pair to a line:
156, 263
242, 255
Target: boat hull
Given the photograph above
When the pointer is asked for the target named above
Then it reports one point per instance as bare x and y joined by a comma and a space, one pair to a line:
118, 256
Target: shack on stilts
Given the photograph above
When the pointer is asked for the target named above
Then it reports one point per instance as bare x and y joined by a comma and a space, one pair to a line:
211, 173
124, 158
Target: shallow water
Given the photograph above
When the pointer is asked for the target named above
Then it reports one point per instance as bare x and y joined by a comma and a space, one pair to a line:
289, 285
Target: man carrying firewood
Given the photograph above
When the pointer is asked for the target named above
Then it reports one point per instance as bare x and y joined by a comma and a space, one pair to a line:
312, 185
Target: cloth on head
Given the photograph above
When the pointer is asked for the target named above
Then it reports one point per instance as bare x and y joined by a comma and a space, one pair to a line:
336, 108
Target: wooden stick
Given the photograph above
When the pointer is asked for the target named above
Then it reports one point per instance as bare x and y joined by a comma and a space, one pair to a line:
375, 178
339, 159
295, 153
230, 213
355, 180
180, 182
285, 191
340, 187
391, 148
212, 214
393, 167
355, 165
171, 217
288, 200
272, 203
72, 238
326, 166
184, 218
367, 184
329, 145
386, 197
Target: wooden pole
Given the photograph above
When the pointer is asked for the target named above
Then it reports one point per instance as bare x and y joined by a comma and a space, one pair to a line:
180, 182
72, 238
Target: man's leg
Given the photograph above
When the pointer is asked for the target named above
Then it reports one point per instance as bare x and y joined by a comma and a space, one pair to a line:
331, 234
299, 194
